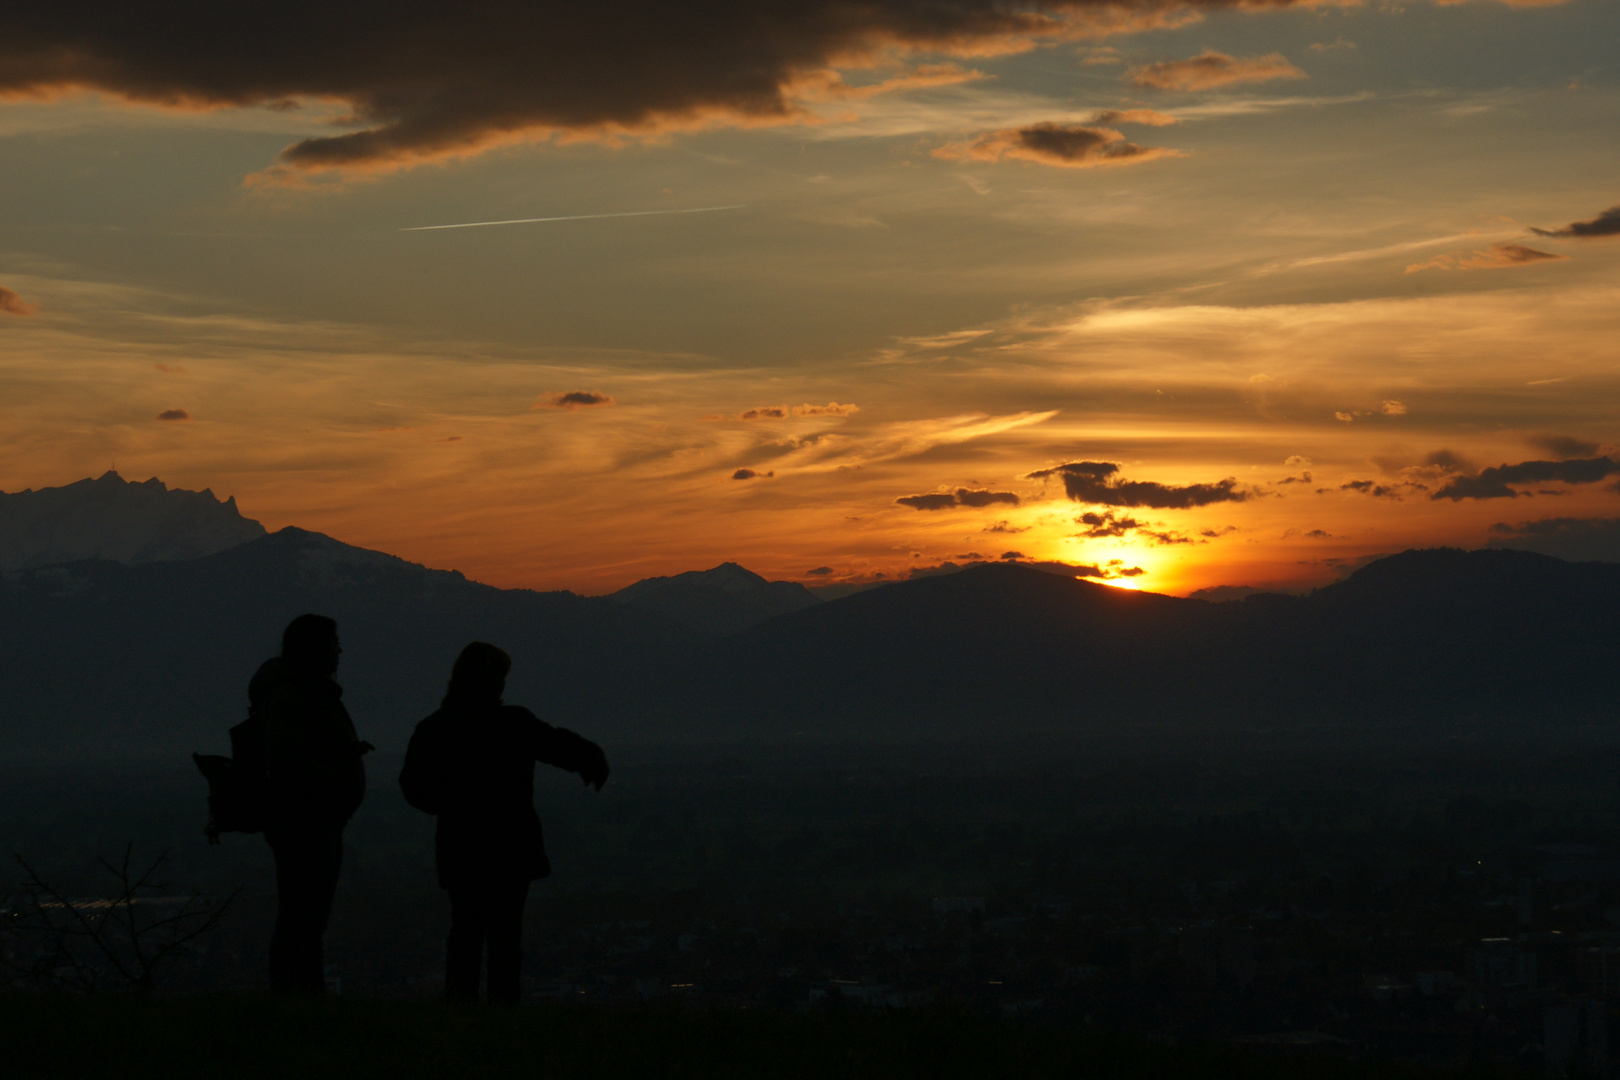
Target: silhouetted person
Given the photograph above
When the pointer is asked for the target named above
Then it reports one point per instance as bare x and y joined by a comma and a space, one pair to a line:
315, 782
472, 764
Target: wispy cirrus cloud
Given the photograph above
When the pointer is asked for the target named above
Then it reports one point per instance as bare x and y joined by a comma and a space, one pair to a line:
1147, 117
1210, 70
1495, 257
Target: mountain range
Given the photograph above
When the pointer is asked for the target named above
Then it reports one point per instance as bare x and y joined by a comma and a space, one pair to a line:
104, 659
111, 518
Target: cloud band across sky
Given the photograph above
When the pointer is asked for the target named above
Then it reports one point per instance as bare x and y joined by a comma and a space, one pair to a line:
426, 80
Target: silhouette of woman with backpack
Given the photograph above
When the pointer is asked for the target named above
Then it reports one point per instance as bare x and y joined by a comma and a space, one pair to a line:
472, 764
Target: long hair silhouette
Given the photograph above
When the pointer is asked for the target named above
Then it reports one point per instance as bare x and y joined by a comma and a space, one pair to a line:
478, 676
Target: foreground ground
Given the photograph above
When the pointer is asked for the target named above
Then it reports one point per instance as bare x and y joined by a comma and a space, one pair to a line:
252, 1036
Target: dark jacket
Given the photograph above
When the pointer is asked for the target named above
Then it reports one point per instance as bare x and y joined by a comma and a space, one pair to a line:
473, 766
315, 777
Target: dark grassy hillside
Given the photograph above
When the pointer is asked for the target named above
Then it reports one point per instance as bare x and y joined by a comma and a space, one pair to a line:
251, 1037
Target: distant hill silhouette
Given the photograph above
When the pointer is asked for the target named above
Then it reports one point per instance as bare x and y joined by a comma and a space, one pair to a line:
720, 601
102, 660
1420, 631
111, 518
98, 659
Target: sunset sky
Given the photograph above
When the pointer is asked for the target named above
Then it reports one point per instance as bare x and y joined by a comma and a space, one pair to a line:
1227, 293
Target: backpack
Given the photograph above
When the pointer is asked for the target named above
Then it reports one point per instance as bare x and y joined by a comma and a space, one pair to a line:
238, 799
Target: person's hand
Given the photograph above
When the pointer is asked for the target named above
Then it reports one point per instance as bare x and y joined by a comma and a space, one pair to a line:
596, 769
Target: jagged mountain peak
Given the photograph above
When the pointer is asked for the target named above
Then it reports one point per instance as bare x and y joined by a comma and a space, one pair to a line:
123, 521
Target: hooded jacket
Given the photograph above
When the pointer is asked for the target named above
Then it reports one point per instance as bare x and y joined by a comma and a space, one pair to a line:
472, 764
312, 755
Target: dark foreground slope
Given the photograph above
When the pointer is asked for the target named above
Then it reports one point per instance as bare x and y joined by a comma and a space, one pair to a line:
1421, 631
251, 1037
102, 660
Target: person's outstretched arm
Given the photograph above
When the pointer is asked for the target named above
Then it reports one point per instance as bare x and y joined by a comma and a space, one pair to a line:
564, 749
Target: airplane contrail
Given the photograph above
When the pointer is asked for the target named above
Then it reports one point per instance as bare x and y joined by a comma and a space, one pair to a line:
574, 217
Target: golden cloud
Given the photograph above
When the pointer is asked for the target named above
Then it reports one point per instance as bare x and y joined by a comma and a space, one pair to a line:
12, 304
1495, 257
1211, 69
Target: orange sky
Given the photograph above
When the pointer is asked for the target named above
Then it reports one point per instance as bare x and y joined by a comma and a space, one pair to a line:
1342, 257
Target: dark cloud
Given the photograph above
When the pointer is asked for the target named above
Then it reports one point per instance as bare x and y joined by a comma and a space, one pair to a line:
433, 80
12, 304
1302, 478
1211, 69
1115, 568
1004, 527
1371, 487
1564, 447
1070, 146
782, 412
1105, 524
1575, 539
573, 399
977, 498
943, 501
1493, 483
750, 474
1167, 538
820, 571
1097, 482
1448, 461
1211, 534
1605, 224
960, 497
174, 414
